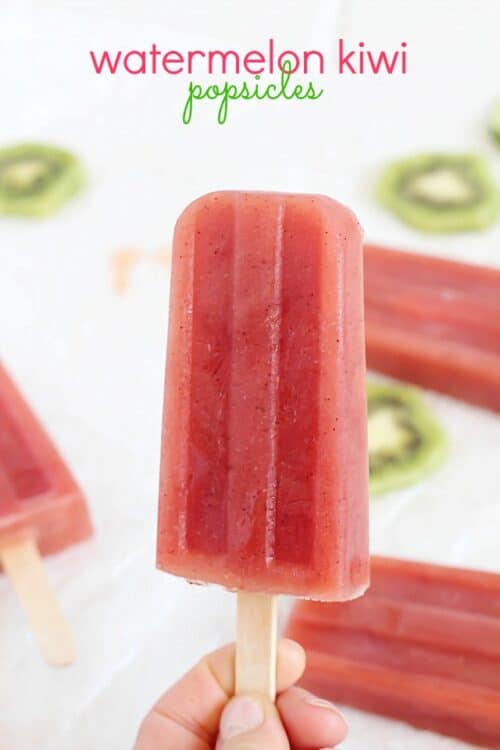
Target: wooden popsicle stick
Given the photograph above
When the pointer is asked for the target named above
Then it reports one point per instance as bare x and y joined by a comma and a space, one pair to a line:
22, 563
256, 643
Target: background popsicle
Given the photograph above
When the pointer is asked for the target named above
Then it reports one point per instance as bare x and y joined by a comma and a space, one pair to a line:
434, 322
423, 645
42, 511
38, 495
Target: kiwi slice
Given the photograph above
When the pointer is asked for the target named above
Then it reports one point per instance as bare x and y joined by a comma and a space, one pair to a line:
404, 441
495, 122
441, 192
36, 179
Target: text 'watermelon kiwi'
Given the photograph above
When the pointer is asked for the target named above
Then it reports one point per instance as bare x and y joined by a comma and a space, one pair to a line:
441, 192
404, 441
35, 179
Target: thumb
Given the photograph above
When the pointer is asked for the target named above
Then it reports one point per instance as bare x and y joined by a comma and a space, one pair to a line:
251, 723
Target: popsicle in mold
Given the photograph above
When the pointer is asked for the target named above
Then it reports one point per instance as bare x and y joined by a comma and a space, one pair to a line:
42, 510
264, 470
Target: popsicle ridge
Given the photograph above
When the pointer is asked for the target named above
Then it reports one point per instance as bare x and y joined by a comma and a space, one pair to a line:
255, 381
211, 346
275, 333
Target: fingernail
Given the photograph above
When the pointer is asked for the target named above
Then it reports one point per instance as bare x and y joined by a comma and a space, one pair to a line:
320, 703
241, 715
292, 646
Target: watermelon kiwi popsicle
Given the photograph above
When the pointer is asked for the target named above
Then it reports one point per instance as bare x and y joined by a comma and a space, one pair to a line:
422, 646
42, 511
435, 323
264, 469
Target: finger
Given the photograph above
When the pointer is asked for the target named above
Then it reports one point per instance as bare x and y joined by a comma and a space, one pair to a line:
251, 723
309, 721
187, 715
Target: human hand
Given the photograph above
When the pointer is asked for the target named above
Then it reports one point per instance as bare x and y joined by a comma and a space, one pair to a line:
200, 713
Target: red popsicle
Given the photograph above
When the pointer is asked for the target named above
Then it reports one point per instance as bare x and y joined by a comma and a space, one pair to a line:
264, 454
423, 645
435, 323
42, 510
264, 471
38, 495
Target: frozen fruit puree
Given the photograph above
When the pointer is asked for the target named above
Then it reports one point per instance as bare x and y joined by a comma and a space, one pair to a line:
264, 469
435, 323
423, 646
38, 495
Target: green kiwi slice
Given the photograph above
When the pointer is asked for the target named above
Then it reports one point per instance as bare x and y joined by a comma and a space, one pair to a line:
404, 441
36, 179
441, 192
495, 122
